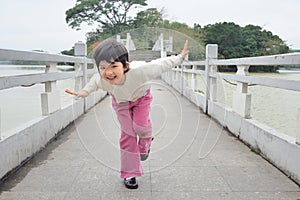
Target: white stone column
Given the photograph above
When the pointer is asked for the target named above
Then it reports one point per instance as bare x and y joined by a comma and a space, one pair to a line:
241, 100
0, 125
51, 97
162, 48
118, 38
213, 84
298, 128
170, 44
128, 40
80, 50
210, 90
193, 79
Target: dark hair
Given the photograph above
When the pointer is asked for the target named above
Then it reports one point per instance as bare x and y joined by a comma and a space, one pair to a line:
111, 51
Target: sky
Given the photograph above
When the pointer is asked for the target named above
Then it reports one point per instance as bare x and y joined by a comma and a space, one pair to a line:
40, 24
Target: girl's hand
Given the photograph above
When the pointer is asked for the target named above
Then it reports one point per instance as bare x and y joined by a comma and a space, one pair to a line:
81, 93
71, 92
185, 50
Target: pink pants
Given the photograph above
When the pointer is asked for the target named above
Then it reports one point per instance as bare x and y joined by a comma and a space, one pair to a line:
136, 133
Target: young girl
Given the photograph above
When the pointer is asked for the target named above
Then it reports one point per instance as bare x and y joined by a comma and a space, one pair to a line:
131, 99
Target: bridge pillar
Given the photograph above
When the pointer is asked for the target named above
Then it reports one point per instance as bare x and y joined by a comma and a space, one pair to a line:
51, 97
211, 83
176, 79
241, 101
298, 128
80, 50
0, 125
128, 42
194, 79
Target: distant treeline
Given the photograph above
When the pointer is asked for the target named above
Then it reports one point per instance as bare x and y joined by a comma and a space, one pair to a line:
233, 40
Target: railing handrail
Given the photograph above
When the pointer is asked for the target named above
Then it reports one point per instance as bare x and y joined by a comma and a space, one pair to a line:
278, 59
263, 81
289, 59
28, 79
50, 98
46, 58
13, 55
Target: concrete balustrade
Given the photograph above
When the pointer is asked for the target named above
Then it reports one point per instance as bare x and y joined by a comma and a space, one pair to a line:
163, 45
280, 149
21, 143
128, 42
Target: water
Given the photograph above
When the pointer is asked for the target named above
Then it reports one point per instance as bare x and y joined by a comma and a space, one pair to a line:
22, 104
276, 108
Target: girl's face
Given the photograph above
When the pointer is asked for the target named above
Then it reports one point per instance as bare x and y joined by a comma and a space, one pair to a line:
113, 72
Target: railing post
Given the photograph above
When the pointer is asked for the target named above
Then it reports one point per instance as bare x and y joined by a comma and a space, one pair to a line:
0, 125
181, 79
193, 79
162, 47
298, 128
210, 91
241, 101
128, 38
50, 99
118, 38
80, 50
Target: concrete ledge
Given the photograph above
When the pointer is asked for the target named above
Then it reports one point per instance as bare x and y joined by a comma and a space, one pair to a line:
24, 141
21, 143
278, 148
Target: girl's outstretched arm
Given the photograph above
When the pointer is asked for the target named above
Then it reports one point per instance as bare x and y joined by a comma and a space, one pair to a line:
185, 50
82, 93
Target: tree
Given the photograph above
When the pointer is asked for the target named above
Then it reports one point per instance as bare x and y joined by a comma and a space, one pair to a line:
69, 53
148, 18
228, 37
236, 42
262, 42
106, 13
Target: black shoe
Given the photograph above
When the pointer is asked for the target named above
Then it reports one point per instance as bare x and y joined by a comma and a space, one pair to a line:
144, 156
131, 183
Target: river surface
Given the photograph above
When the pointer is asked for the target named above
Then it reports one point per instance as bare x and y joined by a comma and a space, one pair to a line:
276, 108
22, 104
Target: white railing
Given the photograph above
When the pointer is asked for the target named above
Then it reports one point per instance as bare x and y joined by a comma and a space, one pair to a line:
24, 141
50, 99
238, 118
242, 100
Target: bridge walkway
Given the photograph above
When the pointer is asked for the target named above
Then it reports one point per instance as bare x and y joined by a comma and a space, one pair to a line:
192, 157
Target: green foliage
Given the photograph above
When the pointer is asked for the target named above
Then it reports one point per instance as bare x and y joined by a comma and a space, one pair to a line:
235, 42
148, 18
228, 36
68, 53
108, 14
